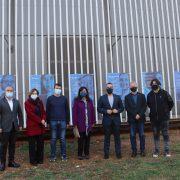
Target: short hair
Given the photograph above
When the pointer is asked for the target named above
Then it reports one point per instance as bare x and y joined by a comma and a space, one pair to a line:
157, 82
57, 84
109, 83
9, 87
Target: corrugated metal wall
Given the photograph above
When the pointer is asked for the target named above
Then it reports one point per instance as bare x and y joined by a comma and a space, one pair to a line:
89, 36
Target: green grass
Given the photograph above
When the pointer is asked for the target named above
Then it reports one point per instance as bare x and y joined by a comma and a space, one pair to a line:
98, 168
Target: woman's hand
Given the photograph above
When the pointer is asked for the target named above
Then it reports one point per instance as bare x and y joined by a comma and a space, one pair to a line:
43, 122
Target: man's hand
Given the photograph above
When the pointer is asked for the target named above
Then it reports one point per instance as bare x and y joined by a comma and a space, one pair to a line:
20, 128
109, 111
137, 116
68, 125
0, 130
43, 122
115, 111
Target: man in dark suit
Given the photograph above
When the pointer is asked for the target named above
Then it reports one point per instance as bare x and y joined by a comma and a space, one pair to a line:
135, 105
11, 120
110, 105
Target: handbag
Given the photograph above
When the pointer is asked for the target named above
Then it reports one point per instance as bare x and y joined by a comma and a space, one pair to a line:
76, 132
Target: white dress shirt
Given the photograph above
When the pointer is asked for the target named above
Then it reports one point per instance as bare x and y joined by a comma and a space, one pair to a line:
10, 102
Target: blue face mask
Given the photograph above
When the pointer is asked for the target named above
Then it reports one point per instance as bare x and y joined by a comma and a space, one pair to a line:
57, 91
9, 94
83, 94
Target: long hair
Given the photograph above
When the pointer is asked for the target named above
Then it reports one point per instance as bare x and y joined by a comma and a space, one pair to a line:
79, 96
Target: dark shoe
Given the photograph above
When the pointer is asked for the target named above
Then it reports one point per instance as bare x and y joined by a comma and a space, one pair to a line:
80, 157
34, 164
143, 154
39, 162
2, 167
119, 156
86, 157
106, 156
134, 154
14, 164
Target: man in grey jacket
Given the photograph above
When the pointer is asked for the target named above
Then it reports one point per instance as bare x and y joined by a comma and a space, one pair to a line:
11, 120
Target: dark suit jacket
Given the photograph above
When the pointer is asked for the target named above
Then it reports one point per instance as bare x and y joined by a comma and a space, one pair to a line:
134, 109
103, 106
7, 117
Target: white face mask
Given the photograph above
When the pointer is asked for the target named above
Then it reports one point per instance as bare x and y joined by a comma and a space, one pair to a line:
9, 94
57, 91
34, 96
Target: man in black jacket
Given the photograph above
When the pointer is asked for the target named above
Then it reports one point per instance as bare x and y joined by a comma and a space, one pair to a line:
110, 105
160, 103
11, 120
135, 105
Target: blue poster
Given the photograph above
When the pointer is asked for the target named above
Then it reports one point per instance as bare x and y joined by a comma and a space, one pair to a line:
35, 82
5, 81
44, 84
177, 84
147, 77
120, 83
79, 80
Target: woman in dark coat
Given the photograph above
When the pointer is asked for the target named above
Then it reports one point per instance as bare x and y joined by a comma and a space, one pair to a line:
83, 120
35, 127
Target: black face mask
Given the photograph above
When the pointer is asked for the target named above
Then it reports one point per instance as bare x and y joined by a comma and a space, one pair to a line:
109, 90
133, 89
155, 87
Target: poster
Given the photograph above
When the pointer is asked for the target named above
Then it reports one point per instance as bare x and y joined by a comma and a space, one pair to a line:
5, 81
147, 77
79, 80
44, 84
120, 83
177, 84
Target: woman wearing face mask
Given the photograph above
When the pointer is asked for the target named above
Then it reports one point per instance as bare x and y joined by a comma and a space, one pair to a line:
35, 127
84, 120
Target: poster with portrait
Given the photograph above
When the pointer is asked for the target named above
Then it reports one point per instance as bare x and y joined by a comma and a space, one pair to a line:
147, 77
5, 81
79, 80
44, 84
177, 84
120, 83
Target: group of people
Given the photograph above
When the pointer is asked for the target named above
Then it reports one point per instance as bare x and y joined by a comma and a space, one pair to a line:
56, 116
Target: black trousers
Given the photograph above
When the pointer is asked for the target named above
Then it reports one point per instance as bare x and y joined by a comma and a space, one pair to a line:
83, 144
36, 149
115, 130
8, 140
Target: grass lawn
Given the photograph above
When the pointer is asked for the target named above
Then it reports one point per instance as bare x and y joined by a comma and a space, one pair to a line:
98, 168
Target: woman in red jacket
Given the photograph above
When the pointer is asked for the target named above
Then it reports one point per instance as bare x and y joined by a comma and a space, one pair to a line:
35, 127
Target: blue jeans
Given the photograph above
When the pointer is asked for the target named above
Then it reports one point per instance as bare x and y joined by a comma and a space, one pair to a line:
134, 126
58, 130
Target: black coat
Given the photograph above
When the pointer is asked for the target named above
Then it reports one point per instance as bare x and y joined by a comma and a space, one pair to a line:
7, 117
103, 106
133, 109
160, 105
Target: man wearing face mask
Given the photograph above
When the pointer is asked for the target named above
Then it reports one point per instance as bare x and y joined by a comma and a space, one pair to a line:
57, 115
11, 120
160, 103
135, 105
110, 105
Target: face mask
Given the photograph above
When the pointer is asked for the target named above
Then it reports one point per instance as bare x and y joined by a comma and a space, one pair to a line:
9, 94
133, 89
109, 90
155, 87
83, 94
34, 96
57, 91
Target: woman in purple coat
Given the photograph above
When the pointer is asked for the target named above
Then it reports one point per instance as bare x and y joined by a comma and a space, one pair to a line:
83, 120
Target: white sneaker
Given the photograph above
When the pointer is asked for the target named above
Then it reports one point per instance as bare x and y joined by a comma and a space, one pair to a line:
155, 155
167, 155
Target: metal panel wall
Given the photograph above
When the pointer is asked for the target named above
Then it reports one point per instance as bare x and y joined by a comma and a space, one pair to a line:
97, 37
